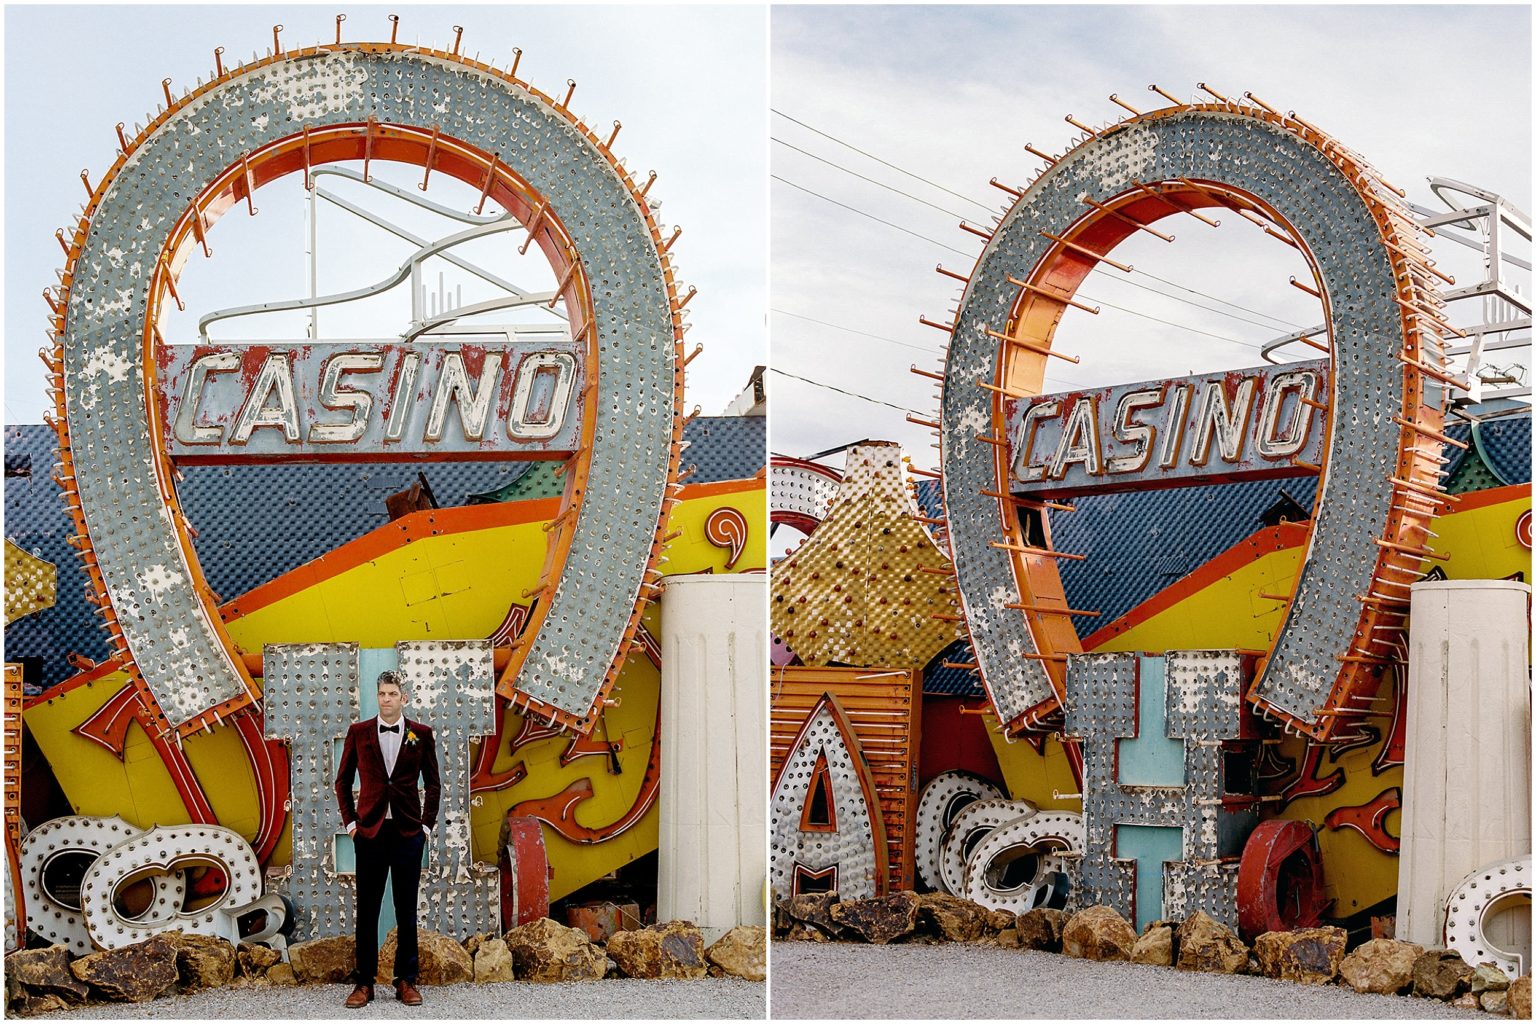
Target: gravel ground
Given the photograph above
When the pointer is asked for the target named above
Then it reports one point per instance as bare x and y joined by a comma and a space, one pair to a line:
846, 980
615, 998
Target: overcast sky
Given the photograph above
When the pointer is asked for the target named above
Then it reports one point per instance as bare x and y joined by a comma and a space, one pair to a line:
954, 93
688, 83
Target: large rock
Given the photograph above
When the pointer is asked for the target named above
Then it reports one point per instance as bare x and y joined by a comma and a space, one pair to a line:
805, 933
781, 920
1495, 1000
1310, 956
999, 921
130, 974
1441, 974
671, 950
741, 952
1487, 977
878, 920
545, 950
1384, 966
253, 961
440, 958
45, 972
1154, 946
950, 917
814, 909
493, 961
203, 961
1098, 933
1520, 998
46, 1002
281, 974
1041, 929
1008, 938
1206, 944
326, 961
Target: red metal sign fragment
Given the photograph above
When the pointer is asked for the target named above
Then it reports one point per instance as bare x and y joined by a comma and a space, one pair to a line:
1280, 879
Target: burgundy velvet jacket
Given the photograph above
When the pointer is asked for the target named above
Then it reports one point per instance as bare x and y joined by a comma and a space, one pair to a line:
397, 790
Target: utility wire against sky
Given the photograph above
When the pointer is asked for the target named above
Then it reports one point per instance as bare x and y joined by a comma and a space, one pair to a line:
841, 391
887, 163
893, 341
1098, 270
1084, 296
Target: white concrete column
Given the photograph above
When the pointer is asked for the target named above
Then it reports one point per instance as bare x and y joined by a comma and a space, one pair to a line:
1467, 780
713, 857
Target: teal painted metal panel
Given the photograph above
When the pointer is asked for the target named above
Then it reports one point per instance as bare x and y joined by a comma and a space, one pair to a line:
1149, 846
1152, 759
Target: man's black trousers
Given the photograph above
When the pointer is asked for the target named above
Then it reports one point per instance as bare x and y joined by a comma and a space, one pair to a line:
387, 855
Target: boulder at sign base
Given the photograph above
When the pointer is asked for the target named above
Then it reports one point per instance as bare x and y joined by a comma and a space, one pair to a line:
47, 1002
493, 961
805, 933
281, 974
1041, 929
1205, 944
878, 920
741, 952
45, 972
253, 961
324, 961
1495, 1000
203, 961
130, 974
545, 950
1486, 977
1520, 998
1383, 966
951, 918
1098, 933
812, 908
671, 950
1441, 974
1154, 946
1310, 956
440, 959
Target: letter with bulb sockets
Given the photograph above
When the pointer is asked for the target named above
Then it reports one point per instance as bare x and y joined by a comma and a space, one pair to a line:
312, 695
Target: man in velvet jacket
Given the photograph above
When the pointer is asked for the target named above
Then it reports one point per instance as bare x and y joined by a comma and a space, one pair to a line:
388, 826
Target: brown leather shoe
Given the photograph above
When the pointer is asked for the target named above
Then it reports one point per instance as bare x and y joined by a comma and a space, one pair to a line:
406, 993
361, 996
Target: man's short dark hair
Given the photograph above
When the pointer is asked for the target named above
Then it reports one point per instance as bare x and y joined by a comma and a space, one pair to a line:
390, 679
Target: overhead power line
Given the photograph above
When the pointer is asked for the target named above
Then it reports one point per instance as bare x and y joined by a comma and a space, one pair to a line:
872, 181
878, 160
1144, 273
1089, 298
861, 213
850, 394
880, 337
853, 330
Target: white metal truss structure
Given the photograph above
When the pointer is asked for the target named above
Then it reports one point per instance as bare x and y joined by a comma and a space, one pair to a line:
1492, 315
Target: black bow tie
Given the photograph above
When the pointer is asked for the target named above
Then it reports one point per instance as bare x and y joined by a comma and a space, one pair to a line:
389, 728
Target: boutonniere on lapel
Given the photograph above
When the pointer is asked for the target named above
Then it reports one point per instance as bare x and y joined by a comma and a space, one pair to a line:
410, 737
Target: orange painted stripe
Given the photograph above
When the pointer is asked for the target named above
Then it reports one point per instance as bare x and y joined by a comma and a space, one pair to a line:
1492, 496
419, 525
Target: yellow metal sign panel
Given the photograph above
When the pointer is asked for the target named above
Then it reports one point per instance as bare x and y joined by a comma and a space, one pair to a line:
868, 587
30, 582
443, 573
